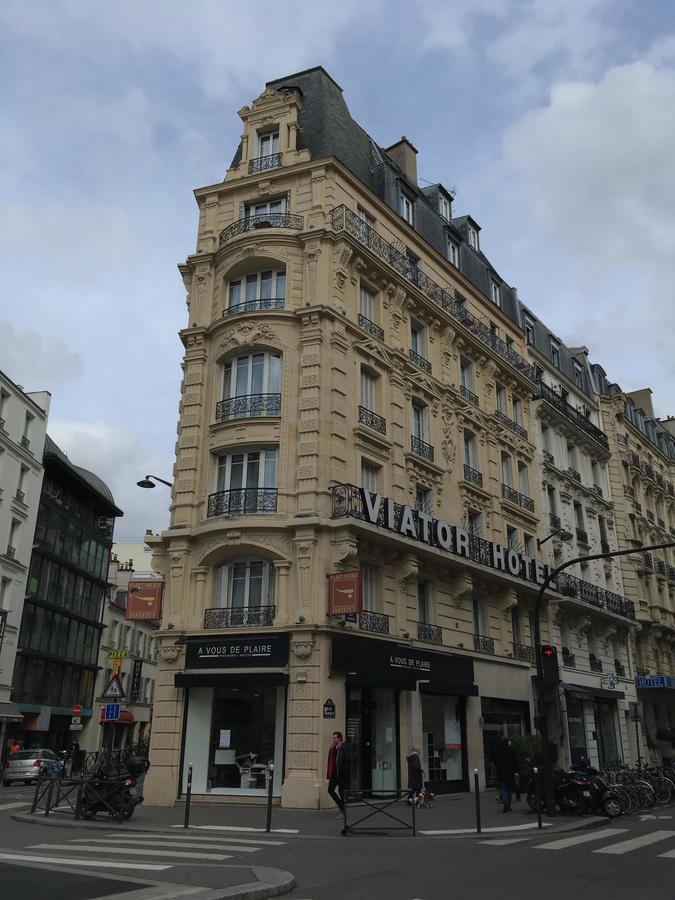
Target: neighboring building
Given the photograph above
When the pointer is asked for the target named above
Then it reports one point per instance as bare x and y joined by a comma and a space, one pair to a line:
139, 556
61, 626
642, 470
138, 668
593, 623
23, 425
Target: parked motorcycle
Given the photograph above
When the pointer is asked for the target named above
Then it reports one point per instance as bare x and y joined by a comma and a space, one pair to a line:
119, 795
600, 798
569, 790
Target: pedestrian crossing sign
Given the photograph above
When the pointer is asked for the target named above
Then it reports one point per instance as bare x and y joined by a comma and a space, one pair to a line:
114, 690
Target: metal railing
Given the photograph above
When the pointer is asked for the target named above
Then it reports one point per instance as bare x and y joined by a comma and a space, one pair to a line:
469, 395
483, 644
264, 304
513, 496
554, 521
473, 475
571, 586
671, 573
661, 524
582, 536
25, 442
555, 400
647, 470
372, 420
264, 220
242, 501
650, 516
419, 360
344, 219
523, 652
619, 668
370, 327
2, 424
432, 634
250, 406
595, 664
574, 474
648, 562
510, 424
421, 448
569, 659
20, 496
264, 163
11, 552
377, 623
622, 439
660, 567
239, 617
628, 490
548, 457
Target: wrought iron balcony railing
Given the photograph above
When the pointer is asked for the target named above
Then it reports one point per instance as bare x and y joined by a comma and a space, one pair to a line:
569, 659
264, 220
513, 496
370, 327
263, 305
660, 480
619, 668
249, 406
571, 586
2, 424
239, 617
647, 470
523, 652
549, 458
421, 448
473, 475
345, 220
648, 562
432, 634
483, 644
419, 360
582, 536
661, 524
554, 521
11, 552
555, 400
469, 395
510, 424
374, 622
25, 442
596, 664
628, 490
264, 163
634, 460
660, 567
638, 507
20, 496
242, 501
650, 516
671, 573
372, 420
574, 474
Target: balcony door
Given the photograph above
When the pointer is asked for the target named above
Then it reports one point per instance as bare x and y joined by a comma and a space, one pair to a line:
251, 382
249, 479
246, 589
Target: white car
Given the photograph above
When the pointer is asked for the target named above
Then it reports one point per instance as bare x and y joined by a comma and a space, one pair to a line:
24, 765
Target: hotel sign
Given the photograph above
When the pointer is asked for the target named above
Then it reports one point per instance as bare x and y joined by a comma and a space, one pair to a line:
422, 527
654, 681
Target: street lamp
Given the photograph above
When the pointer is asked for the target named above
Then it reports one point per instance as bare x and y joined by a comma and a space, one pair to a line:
557, 532
146, 483
542, 702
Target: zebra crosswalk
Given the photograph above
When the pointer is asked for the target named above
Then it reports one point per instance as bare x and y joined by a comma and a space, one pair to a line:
147, 851
616, 841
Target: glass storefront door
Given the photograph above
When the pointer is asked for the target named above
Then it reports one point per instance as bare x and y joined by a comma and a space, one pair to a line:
372, 738
577, 731
502, 720
444, 744
605, 728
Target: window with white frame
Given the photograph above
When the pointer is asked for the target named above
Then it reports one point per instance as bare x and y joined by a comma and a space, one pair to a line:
555, 354
257, 290
369, 587
370, 476
255, 380
470, 449
453, 253
418, 338
363, 216
423, 602
474, 522
268, 144
248, 476
551, 500
466, 373
473, 238
578, 375
546, 438
501, 398
517, 411
523, 479
512, 538
112, 641
529, 545
270, 208
480, 616
420, 414
444, 207
5, 584
368, 389
507, 471
424, 499
245, 584
496, 293
13, 536
529, 332
367, 303
406, 207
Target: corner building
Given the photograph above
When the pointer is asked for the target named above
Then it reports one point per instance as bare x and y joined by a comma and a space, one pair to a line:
356, 397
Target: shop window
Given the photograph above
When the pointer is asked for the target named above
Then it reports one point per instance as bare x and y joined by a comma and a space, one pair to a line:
443, 745
244, 585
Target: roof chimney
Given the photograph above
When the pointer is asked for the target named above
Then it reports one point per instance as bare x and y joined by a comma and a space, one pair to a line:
405, 156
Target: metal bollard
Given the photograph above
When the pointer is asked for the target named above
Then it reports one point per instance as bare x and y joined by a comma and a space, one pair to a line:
476, 790
270, 787
78, 802
188, 797
38, 785
50, 791
537, 796
414, 824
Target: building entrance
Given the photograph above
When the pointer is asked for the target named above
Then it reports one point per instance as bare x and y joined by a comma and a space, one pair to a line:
372, 738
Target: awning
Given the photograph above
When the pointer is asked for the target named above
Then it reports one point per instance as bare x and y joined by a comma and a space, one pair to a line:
223, 679
125, 718
587, 692
9, 712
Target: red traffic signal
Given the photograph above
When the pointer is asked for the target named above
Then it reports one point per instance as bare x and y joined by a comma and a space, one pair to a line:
549, 665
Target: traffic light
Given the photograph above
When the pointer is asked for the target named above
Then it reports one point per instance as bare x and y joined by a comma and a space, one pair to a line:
549, 666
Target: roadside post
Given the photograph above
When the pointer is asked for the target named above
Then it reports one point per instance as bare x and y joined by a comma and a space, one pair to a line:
188, 797
537, 796
270, 786
476, 790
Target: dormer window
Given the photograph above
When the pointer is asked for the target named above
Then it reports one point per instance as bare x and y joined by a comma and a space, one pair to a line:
269, 156
406, 207
555, 354
578, 375
444, 207
496, 293
473, 238
453, 253
529, 332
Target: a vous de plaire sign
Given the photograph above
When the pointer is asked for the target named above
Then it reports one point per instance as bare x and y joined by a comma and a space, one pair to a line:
420, 526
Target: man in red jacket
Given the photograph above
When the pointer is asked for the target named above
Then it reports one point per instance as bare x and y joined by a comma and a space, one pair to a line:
338, 772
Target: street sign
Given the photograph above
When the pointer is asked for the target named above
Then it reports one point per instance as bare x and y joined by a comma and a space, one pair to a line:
76, 720
76, 727
114, 690
112, 712
77, 710
55, 768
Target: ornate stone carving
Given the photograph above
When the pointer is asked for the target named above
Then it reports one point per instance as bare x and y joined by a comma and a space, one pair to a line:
461, 587
169, 653
302, 647
247, 333
508, 601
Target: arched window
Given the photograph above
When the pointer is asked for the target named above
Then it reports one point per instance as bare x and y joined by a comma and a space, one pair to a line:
257, 291
245, 588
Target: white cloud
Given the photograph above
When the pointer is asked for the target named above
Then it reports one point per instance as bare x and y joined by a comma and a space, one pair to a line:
35, 361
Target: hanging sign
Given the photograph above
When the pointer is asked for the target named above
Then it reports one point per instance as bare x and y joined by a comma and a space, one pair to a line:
344, 593
329, 709
144, 600
135, 689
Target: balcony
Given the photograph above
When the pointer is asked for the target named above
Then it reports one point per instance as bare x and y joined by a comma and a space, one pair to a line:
372, 420
250, 406
469, 395
647, 563
622, 439
264, 163
239, 617
569, 659
634, 460
662, 524
573, 415
650, 516
25, 442
660, 567
628, 490
370, 327
638, 507
242, 502
523, 653
597, 489
263, 305
522, 500
670, 490
483, 644
647, 470
448, 300
473, 476
11, 552
419, 361
671, 573
431, 634
582, 536
377, 623
595, 663
510, 424
574, 475
554, 521
421, 448
2, 424
594, 595
265, 220
619, 668
549, 458
20, 496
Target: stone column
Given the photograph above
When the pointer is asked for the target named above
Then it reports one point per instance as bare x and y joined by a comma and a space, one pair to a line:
282, 569
161, 783
303, 781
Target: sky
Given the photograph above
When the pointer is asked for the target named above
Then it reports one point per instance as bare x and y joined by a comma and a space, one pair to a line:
554, 121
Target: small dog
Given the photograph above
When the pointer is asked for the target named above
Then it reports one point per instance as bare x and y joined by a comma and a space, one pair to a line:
424, 799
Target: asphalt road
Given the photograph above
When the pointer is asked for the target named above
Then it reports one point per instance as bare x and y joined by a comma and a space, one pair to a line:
625, 858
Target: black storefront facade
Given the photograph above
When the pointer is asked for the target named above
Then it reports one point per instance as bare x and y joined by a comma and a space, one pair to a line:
397, 697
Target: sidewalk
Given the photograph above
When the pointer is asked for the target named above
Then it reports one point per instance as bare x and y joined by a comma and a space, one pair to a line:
451, 815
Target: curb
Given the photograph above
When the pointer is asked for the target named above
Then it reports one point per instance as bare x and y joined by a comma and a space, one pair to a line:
271, 883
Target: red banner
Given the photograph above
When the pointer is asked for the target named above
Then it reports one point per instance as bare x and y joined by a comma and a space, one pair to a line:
144, 600
344, 593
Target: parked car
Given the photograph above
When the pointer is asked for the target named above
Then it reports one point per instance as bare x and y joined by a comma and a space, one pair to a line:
25, 765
